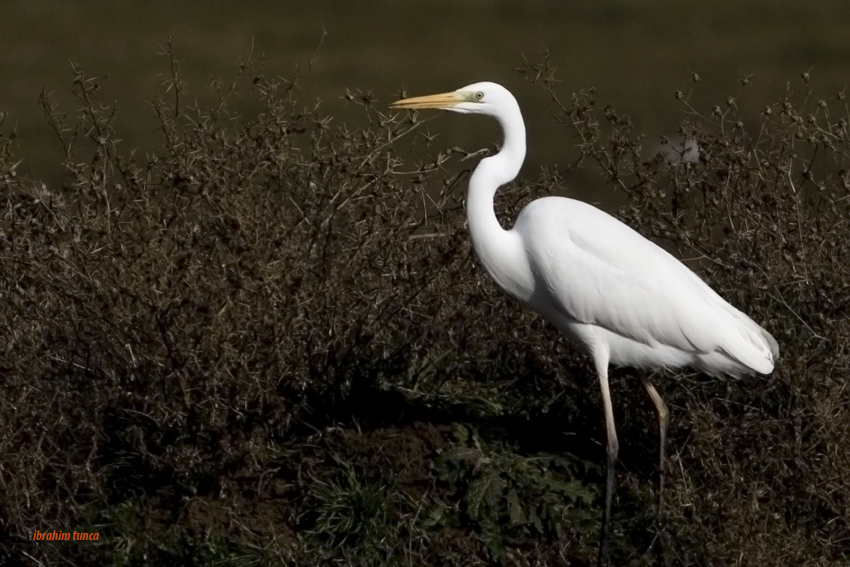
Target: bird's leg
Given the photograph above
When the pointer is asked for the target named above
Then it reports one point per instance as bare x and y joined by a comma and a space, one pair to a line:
663, 421
612, 447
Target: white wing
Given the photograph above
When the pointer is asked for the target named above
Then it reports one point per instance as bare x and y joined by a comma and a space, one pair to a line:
596, 270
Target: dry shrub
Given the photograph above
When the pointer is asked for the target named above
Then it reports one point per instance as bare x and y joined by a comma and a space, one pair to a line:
760, 208
177, 323
168, 318
194, 331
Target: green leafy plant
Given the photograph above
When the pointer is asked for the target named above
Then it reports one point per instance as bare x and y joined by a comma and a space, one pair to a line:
508, 496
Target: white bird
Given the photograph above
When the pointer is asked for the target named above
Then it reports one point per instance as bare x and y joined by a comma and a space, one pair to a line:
618, 296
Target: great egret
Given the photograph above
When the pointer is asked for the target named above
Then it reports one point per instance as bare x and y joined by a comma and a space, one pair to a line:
621, 298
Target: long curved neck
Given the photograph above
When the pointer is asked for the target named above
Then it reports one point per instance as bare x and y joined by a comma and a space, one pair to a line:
494, 245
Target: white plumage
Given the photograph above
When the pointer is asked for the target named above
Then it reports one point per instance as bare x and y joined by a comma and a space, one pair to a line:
596, 277
620, 297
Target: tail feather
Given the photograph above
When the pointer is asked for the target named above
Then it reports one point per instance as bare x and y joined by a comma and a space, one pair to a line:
754, 348
772, 344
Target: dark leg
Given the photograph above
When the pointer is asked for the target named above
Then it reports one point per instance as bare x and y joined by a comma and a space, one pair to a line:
663, 420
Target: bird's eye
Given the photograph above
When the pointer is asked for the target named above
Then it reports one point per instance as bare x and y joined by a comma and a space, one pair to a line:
479, 95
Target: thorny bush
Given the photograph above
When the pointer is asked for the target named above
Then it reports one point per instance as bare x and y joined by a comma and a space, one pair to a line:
257, 337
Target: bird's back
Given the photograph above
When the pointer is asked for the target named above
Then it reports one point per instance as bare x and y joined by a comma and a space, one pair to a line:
601, 282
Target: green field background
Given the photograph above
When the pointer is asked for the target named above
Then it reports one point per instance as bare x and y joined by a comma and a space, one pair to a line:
636, 53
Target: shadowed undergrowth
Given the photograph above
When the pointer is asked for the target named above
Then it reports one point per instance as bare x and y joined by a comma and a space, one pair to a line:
268, 343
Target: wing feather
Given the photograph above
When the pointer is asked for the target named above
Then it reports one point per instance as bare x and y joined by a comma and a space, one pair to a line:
596, 270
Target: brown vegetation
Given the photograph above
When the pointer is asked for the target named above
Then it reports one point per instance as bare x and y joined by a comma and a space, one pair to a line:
268, 343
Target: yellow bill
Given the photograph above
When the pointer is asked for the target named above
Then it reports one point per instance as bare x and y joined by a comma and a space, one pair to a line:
441, 101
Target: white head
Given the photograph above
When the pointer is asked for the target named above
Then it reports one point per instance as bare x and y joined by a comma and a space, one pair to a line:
488, 99
479, 98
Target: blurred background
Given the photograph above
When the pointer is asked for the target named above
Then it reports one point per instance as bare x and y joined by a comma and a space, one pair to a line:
635, 53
